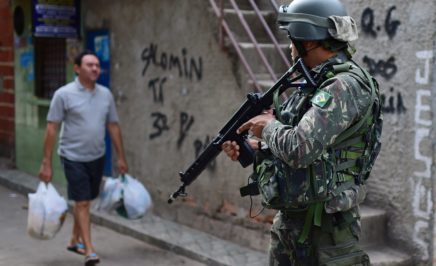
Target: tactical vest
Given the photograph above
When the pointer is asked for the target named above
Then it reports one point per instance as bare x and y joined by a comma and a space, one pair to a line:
341, 170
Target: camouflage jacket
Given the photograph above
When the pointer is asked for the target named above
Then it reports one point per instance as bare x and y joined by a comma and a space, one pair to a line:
303, 162
302, 139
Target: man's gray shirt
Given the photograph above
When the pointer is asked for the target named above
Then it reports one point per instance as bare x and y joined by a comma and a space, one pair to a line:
84, 115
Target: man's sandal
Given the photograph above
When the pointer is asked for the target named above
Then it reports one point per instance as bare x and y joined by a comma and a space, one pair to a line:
91, 259
77, 248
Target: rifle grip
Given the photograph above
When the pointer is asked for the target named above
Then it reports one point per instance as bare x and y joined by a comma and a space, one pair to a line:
246, 153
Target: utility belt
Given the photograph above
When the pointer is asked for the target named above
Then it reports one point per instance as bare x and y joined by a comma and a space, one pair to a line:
329, 220
283, 187
347, 193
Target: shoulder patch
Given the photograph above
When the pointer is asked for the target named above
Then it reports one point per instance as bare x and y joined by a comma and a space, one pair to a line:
321, 98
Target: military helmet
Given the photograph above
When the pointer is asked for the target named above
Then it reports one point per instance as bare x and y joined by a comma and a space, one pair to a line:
310, 20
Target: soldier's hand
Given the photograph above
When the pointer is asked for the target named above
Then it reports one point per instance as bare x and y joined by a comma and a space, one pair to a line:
231, 148
45, 172
256, 124
254, 144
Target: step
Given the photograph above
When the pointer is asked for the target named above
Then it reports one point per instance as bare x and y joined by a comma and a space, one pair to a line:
163, 233
253, 22
269, 15
242, 4
271, 54
264, 84
245, 4
385, 256
265, 81
196, 244
373, 226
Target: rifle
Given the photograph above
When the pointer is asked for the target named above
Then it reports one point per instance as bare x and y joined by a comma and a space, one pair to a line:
255, 104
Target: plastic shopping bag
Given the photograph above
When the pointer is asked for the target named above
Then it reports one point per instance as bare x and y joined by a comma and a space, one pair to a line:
47, 212
135, 199
110, 195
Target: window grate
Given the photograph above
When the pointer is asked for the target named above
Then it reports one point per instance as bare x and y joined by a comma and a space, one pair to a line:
50, 64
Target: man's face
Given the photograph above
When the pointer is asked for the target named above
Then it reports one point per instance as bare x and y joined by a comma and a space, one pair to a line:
89, 69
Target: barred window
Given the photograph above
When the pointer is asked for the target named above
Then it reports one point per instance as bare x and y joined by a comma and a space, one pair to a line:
50, 61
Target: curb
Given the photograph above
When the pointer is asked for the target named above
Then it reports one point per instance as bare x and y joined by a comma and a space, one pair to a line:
165, 234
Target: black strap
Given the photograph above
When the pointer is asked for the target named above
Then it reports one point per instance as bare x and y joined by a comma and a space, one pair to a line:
251, 189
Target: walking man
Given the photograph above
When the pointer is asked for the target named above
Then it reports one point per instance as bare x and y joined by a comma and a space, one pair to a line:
84, 109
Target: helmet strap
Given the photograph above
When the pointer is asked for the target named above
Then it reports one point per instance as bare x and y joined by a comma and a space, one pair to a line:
313, 48
300, 47
302, 51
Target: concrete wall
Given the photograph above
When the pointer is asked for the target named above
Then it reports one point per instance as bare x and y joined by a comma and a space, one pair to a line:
169, 112
397, 46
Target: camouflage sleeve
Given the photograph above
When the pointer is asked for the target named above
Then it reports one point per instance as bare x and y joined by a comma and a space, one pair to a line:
299, 146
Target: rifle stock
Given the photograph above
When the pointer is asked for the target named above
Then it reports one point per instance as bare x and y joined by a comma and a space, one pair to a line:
255, 104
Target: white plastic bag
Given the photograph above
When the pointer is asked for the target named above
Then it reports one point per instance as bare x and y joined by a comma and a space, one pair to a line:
110, 195
47, 212
136, 199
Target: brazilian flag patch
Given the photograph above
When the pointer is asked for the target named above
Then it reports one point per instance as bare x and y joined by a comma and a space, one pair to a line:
321, 98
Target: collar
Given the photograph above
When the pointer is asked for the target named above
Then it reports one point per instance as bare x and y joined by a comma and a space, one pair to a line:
81, 87
340, 58
321, 70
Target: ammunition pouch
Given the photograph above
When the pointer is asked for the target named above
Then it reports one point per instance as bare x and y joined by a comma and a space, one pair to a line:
283, 187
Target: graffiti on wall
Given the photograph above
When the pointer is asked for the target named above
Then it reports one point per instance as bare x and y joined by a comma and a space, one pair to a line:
187, 67
374, 26
160, 124
392, 102
422, 202
186, 122
387, 69
156, 85
183, 66
391, 99
199, 146
368, 21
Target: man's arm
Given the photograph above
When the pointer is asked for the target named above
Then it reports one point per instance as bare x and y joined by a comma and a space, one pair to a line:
117, 140
46, 170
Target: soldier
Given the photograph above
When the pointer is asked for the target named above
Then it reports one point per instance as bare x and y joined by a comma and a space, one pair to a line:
319, 146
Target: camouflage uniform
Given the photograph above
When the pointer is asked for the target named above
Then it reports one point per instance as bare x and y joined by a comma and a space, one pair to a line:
299, 142
321, 147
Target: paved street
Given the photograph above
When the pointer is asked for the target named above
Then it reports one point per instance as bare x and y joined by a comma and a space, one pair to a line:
17, 248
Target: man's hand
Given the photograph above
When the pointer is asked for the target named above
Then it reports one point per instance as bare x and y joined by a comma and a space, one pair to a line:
255, 126
257, 123
231, 148
117, 140
122, 166
45, 172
